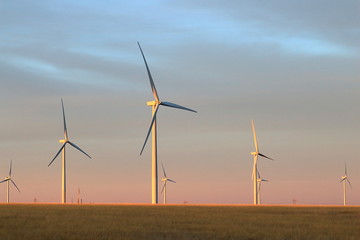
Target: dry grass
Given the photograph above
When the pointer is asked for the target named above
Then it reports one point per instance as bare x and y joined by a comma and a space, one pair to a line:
100, 222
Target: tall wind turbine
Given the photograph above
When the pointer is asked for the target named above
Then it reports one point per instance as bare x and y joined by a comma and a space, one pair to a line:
254, 172
165, 180
345, 179
155, 107
62, 150
8, 180
259, 180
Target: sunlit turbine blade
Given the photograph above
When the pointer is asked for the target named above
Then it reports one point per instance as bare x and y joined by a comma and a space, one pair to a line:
254, 133
173, 105
4, 180
149, 74
73, 144
58, 153
15, 185
171, 180
262, 155
65, 129
163, 170
163, 187
348, 182
10, 168
151, 124
252, 175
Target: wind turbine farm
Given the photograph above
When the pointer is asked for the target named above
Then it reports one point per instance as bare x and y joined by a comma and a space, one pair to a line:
290, 69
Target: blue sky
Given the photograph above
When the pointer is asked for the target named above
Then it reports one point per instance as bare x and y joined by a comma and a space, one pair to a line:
292, 67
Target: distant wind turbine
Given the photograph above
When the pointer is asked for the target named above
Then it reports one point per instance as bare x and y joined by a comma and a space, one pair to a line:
254, 171
8, 180
155, 107
345, 179
259, 180
165, 180
62, 150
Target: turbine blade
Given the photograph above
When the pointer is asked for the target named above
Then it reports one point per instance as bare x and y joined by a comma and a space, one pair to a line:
65, 129
149, 74
348, 182
264, 180
10, 168
163, 187
58, 153
73, 144
151, 124
163, 170
254, 133
15, 185
171, 180
252, 175
345, 170
258, 174
342, 180
262, 155
173, 105
4, 180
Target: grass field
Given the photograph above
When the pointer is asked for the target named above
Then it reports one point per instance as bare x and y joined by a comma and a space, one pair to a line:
98, 222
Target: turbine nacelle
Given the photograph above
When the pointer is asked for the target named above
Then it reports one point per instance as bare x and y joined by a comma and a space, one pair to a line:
153, 103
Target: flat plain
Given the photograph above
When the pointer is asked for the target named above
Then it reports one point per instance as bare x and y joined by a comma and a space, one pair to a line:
175, 222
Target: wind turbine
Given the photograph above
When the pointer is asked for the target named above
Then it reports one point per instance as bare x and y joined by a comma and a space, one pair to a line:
165, 180
155, 107
8, 180
62, 150
259, 180
345, 179
254, 172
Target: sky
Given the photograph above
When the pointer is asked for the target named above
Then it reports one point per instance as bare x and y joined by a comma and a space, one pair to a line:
292, 66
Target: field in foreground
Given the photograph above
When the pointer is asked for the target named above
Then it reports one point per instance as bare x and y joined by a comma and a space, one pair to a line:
98, 222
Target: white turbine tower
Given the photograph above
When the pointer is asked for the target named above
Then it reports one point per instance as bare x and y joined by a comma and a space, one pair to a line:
165, 180
345, 179
62, 150
254, 171
8, 180
155, 107
259, 180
